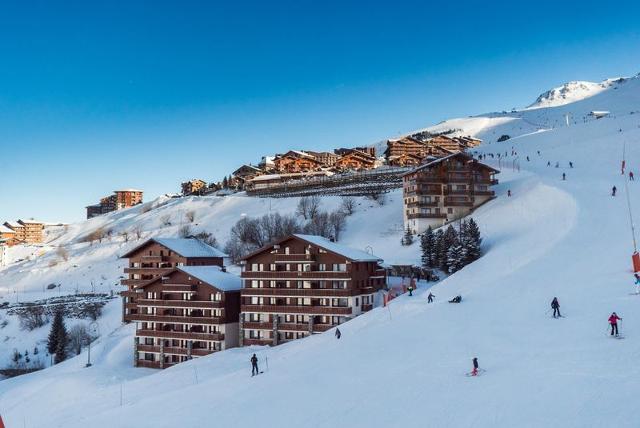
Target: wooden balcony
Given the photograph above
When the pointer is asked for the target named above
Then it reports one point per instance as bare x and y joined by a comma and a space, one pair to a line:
298, 309
171, 350
147, 271
484, 193
257, 325
288, 275
260, 342
179, 288
154, 259
151, 364
205, 304
456, 192
453, 203
173, 319
419, 204
187, 335
288, 258
425, 215
130, 293
298, 292
132, 282
367, 307
321, 328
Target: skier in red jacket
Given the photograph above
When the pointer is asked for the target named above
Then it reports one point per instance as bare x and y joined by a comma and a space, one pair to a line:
613, 320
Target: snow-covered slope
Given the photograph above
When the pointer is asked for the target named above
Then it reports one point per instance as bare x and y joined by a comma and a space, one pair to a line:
404, 365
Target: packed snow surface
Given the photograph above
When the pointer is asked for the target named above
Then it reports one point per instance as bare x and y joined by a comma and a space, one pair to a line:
405, 365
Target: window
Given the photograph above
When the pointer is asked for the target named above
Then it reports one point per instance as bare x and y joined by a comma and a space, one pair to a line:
449, 210
254, 267
322, 267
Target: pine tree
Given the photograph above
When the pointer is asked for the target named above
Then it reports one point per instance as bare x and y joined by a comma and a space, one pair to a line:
225, 183
58, 337
448, 240
440, 251
408, 237
455, 257
428, 247
472, 241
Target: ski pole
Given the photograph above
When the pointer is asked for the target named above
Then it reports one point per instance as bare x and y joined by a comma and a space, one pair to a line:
266, 360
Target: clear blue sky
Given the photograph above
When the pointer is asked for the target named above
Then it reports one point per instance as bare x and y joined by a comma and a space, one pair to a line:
95, 97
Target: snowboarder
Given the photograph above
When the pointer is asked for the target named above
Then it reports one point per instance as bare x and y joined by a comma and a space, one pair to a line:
637, 283
456, 299
538, 152
338, 334
509, 193
564, 176
430, 297
549, 163
555, 305
570, 164
613, 320
476, 366
613, 191
410, 288
631, 176
527, 158
254, 365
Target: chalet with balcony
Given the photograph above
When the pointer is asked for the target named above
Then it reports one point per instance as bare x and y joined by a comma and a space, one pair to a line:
444, 190
370, 150
355, 159
7, 236
404, 160
188, 312
120, 199
246, 172
194, 187
296, 161
157, 257
23, 232
327, 159
305, 284
404, 146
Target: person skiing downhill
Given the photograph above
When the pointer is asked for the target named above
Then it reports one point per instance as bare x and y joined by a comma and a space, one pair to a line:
564, 176
613, 320
509, 193
410, 288
637, 283
613, 191
555, 305
570, 164
254, 365
476, 366
338, 334
430, 297
631, 176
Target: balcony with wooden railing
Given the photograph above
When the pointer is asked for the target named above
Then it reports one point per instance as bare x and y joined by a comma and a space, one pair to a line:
426, 215
186, 335
205, 304
301, 258
147, 270
259, 342
176, 319
284, 275
298, 309
298, 292
457, 203
172, 350
179, 288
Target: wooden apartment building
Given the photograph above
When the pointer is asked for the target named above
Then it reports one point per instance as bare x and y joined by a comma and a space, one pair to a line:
157, 257
23, 232
355, 159
296, 161
188, 312
193, 187
304, 284
7, 235
445, 190
120, 199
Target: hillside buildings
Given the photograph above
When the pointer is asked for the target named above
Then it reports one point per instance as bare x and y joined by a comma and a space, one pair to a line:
304, 284
120, 199
22, 232
193, 187
188, 312
444, 190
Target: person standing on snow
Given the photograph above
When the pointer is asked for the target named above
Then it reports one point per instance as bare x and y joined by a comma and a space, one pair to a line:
476, 366
570, 164
410, 288
254, 365
631, 176
613, 320
637, 283
430, 297
564, 176
338, 334
509, 193
555, 305
613, 191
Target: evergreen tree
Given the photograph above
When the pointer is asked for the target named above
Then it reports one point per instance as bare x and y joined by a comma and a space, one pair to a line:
472, 241
407, 239
440, 251
225, 183
58, 337
455, 257
448, 240
428, 247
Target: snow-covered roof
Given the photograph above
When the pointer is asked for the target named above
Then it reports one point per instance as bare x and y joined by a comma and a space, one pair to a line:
13, 224
213, 275
438, 160
186, 247
5, 229
30, 221
128, 190
343, 250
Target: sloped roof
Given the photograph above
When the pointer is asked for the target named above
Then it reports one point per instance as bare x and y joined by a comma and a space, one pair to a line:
186, 247
343, 250
13, 224
5, 229
214, 276
438, 160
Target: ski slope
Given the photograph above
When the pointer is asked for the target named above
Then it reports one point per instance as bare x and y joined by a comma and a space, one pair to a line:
405, 365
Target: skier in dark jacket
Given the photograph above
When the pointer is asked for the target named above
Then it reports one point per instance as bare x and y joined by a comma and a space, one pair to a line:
476, 366
613, 191
564, 176
613, 320
410, 288
456, 299
254, 365
631, 176
556, 307
430, 297
338, 334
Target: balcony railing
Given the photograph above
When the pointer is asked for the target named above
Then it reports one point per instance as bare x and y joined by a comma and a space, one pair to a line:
298, 292
172, 350
179, 288
206, 304
367, 307
298, 309
306, 258
174, 319
146, 270
260, 342
425, 215
284, 275
190, 335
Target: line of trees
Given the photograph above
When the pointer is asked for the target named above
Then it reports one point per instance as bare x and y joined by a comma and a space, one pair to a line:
451, 250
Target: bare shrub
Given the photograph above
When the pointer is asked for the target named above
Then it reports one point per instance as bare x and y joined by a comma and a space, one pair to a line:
32, 317
378, 197
348, 205
146, 208
308, 207
63, 253
125, 235
165, 220
78, 337
185, 231
138, 232
207, 238
337, 223
190, 216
